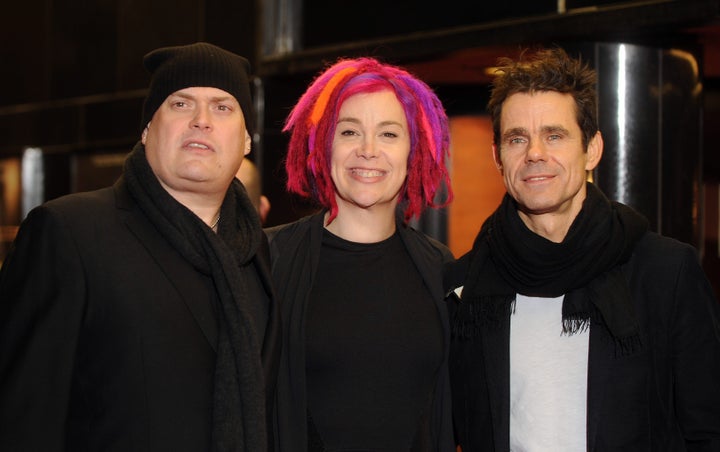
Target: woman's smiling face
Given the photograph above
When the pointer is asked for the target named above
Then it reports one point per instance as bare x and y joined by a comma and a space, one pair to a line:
370, 151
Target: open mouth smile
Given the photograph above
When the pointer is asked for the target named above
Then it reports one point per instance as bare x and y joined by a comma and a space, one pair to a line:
367, 173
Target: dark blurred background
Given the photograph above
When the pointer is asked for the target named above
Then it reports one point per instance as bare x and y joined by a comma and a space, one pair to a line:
72, 85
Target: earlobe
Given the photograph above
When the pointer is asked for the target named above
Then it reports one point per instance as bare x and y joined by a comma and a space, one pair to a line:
143, 136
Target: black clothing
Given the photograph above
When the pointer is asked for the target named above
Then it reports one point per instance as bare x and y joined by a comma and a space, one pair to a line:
295, 249
238, 386
509, 258
374, 346
108, 332
660, 394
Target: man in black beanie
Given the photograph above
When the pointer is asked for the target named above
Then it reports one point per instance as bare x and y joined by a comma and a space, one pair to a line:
140, 317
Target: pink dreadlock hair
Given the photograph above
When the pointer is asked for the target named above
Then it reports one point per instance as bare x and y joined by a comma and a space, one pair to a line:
312, 125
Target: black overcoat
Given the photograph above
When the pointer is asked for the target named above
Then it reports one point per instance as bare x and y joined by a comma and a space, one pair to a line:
108, 335
663, 397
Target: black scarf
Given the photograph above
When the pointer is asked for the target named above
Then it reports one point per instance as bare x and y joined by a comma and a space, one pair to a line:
238, 422
508, 258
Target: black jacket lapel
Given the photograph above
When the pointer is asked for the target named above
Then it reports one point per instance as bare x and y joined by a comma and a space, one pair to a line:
191, 289
600, 362
496, 349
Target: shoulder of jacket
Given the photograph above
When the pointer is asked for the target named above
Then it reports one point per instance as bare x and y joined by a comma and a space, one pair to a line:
421, 239
284, 232
653, 246
84, 205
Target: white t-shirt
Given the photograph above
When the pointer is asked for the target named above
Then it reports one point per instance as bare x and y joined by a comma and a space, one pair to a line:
548, 379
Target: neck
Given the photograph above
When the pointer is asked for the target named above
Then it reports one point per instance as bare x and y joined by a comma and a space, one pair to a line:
362, 225
549, 226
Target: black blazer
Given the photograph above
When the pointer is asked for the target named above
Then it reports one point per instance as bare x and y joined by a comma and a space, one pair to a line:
107, 335
665, 397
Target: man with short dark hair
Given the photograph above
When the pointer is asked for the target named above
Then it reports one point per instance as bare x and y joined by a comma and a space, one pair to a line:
576, 329
140, 317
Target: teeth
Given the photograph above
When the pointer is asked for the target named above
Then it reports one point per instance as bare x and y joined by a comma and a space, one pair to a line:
368, 173
197, 145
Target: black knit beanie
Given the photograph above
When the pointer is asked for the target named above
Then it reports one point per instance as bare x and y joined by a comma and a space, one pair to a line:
197, 65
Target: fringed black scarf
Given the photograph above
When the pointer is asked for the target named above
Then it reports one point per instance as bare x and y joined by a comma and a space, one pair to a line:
507, 258
239, 403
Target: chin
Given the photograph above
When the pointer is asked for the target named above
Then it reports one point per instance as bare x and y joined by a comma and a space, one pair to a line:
537, 208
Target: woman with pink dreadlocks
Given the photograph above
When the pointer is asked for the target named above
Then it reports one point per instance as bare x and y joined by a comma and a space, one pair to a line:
366, 333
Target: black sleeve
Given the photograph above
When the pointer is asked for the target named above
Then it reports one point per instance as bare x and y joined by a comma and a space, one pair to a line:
42, 299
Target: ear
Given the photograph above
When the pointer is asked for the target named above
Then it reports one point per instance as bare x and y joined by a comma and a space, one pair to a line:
264, 208
594, 151
496, 158
248, 143
143, 137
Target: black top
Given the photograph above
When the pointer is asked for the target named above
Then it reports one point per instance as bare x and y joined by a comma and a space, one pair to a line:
374, 347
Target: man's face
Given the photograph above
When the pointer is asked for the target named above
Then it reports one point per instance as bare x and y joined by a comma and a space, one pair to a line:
541, 155
196, 141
